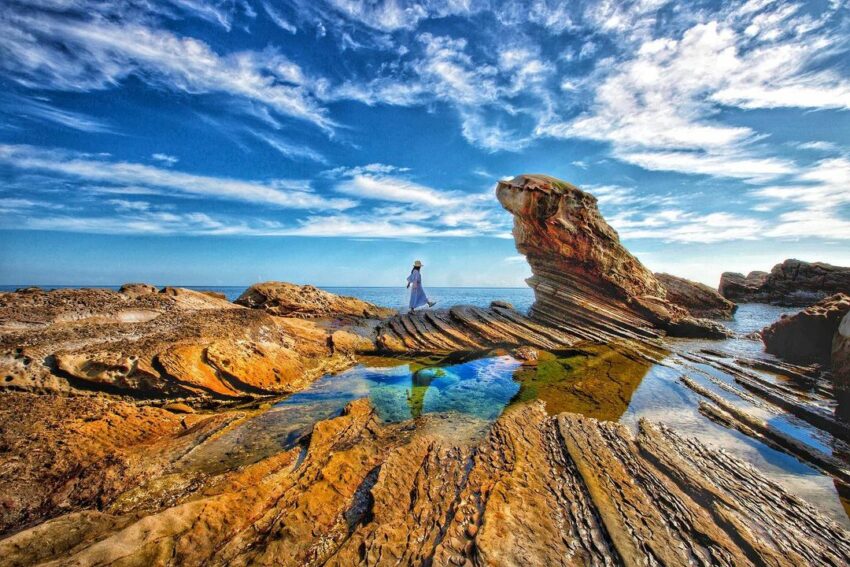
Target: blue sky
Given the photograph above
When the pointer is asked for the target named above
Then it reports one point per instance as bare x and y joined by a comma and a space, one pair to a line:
333, 142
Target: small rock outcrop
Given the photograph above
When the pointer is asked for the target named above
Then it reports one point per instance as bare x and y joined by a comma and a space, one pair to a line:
305, 301
792, 283
740, 288
841, 367
699, 299
807, 336
585, 281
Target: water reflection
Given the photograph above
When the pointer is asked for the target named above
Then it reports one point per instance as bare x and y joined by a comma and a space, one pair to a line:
399, 390
597, 381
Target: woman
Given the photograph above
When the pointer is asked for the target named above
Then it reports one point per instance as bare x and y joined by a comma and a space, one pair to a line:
417, 294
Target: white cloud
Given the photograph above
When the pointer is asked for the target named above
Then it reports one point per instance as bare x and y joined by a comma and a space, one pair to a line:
43, 111
69, 54
280, 194
289, 149
385, 188
278, 19
165, 158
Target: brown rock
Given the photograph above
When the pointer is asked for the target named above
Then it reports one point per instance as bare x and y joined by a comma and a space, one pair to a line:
737, 287
793, 283
176, 344
807, 337
699, 299
840, 358
584, 280
528, 355
550, 490
137, 289
178, 407
290, 300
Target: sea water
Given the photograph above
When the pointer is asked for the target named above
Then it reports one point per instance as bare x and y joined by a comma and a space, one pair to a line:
393, 297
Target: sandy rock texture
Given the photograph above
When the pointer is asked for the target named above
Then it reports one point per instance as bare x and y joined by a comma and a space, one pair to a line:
699, 299
792, 283
148, 344
807, 337
585, 282
533, 490
290, 300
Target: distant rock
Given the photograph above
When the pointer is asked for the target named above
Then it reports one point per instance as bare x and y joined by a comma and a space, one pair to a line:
699, 299
840, 358
740, 288
305, 301
807, 337
585, 282
135, 289
792, 283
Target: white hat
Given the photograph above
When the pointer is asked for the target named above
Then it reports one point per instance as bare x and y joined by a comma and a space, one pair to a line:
417, 264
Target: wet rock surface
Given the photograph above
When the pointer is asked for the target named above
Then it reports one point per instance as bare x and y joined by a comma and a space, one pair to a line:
699, 299
291, 300
585, 282
807, 336
792, 283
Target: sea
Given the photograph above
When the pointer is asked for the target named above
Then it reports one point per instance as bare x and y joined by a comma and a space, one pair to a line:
392, 297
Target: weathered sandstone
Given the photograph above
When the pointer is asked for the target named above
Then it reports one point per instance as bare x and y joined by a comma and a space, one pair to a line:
793, 283
585, 282
807, 336
173, 344
699, 299
535, 490
290, 300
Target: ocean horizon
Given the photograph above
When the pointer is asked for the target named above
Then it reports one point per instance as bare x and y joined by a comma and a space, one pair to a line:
394, 297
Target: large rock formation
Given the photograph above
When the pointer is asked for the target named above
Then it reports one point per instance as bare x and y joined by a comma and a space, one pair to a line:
173, 344
535, 490
793, 283
290, 300
585, 281
840, 358
699, 299
807, 336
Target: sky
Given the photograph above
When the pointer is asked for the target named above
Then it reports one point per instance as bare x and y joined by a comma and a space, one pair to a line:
333, 142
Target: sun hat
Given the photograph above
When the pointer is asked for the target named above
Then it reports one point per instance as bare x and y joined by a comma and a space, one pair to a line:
417, 264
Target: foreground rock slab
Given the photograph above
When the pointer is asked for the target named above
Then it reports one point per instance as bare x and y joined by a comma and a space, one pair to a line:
533, 490
585, 282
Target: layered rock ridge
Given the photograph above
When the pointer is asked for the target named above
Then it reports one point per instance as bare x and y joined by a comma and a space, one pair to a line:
536, 490
585, 282
699, 299
791, 283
